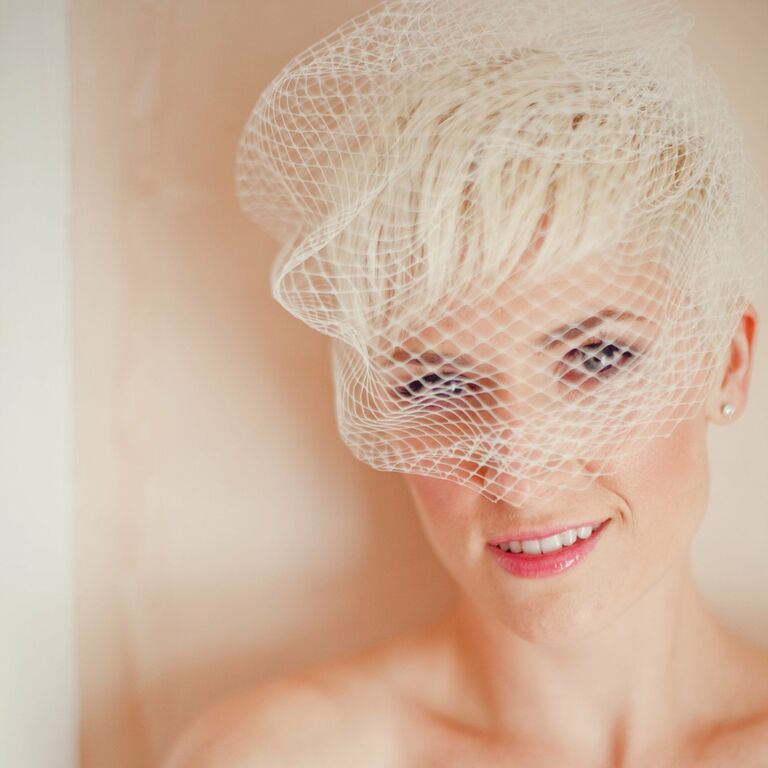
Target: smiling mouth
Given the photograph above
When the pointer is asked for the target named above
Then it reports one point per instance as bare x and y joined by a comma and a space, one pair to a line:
548, 556
552, 543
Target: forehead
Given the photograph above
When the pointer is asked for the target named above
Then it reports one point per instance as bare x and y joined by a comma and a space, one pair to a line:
530, 311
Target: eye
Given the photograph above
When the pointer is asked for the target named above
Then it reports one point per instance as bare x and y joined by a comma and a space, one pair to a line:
435, 385
597, 360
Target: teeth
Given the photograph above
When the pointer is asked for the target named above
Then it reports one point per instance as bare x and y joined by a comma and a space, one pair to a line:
550, 543
532, 547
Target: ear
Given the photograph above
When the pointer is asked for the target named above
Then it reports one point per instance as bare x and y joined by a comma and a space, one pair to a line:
732, 385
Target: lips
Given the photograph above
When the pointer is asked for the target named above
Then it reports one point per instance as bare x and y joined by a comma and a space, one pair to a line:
545, 533
527, 565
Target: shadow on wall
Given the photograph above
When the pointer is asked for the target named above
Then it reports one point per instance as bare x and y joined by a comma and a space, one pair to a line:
225, 534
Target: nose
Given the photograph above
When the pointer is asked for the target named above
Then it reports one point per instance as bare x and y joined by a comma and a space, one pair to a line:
516, 472
526, 457
521, 484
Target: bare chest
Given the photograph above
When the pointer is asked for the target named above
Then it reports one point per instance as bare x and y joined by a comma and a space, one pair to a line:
441, 746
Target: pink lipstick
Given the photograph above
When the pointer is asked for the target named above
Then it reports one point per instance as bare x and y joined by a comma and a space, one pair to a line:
533, 566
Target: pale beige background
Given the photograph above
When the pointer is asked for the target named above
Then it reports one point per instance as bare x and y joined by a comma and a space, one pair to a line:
225, 535
38, 679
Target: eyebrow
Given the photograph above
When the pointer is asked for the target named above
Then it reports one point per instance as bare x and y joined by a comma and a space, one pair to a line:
544, 342
571, 331
430, 357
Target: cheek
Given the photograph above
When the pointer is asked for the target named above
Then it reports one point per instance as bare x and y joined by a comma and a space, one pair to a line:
449, 515
663, 491
431, 493
666, 487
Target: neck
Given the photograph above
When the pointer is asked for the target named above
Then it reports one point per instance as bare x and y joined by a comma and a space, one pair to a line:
633, 683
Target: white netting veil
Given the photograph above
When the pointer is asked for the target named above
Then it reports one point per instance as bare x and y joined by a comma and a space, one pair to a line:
528, 226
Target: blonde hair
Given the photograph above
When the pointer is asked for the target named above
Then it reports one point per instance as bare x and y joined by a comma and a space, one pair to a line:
482, 164
426, 152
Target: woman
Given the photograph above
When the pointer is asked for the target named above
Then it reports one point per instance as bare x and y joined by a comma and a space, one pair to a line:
524, 225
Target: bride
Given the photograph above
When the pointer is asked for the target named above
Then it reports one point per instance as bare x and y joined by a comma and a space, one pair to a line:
525, 226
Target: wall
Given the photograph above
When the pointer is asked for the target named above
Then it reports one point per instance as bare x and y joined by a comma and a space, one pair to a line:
225, 535
38, 692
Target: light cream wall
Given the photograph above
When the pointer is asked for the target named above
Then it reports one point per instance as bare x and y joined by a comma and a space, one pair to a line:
729, 553
225, 535
38, 680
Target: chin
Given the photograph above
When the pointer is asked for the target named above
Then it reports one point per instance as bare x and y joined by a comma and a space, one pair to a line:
554, 616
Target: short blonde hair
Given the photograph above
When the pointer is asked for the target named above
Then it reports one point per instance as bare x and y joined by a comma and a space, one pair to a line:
490, 158
426, 152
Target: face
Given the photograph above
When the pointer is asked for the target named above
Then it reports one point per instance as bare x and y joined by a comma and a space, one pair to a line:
539, 377
652, 500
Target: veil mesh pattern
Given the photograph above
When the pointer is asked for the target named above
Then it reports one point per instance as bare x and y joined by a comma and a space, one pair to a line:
528, 226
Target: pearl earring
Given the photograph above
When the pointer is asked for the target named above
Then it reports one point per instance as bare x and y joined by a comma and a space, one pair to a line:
728, 409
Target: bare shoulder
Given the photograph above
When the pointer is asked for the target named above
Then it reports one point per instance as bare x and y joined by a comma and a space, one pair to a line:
741, 738
355, 711
744, 743
334, 715
264, 728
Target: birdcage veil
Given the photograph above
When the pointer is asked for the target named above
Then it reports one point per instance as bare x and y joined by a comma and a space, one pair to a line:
528, 226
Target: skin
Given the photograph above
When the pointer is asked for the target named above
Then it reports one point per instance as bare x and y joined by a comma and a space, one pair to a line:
579, 669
